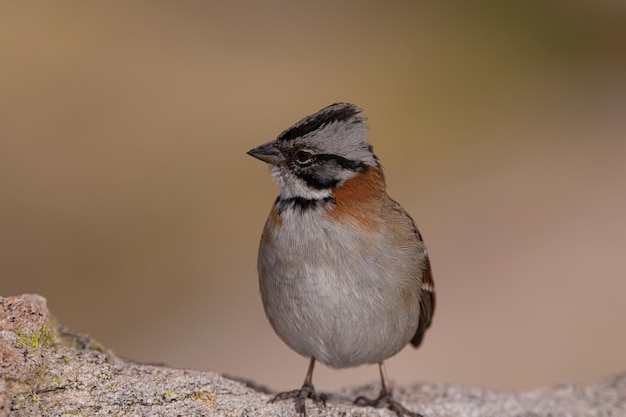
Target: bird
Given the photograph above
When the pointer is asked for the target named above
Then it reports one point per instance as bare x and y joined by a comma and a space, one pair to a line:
344, 275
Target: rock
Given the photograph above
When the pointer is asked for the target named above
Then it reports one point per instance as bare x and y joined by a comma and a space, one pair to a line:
48, 371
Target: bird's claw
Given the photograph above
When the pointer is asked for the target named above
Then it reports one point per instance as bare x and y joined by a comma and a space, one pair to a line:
300, 396
385, 398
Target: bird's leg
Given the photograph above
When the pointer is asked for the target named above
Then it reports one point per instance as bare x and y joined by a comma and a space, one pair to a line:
385, 398
300, 395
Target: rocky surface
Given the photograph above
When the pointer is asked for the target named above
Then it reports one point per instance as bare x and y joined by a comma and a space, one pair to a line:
48, 371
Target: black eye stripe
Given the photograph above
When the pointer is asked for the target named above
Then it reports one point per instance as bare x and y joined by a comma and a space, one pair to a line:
321, 182
345, 163
342, 162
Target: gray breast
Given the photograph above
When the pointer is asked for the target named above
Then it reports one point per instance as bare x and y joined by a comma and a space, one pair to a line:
333, 293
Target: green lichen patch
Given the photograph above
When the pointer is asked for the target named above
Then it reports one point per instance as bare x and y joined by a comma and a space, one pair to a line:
25, 400
47, 380
72, 412
42, 338
205, 397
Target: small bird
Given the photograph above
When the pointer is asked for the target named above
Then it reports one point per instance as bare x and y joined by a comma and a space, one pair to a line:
344, 274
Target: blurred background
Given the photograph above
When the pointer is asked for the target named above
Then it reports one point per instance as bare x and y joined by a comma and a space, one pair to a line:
127, 199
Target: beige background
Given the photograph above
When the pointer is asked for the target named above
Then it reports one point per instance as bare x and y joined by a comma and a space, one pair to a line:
128, 201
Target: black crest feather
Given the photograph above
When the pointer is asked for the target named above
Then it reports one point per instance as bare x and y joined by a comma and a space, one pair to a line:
333, 113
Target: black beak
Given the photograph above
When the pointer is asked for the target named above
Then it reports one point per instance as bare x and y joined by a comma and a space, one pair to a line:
268, 152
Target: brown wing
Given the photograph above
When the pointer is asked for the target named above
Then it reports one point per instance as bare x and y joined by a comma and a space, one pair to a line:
427, 303
427, 299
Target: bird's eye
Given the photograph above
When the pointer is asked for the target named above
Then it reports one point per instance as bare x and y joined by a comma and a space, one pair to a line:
303, 157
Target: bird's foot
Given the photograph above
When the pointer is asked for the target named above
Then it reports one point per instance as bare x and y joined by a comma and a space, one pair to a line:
300, 395
385, 398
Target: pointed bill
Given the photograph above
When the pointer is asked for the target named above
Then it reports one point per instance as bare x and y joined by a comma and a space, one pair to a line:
268, 152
